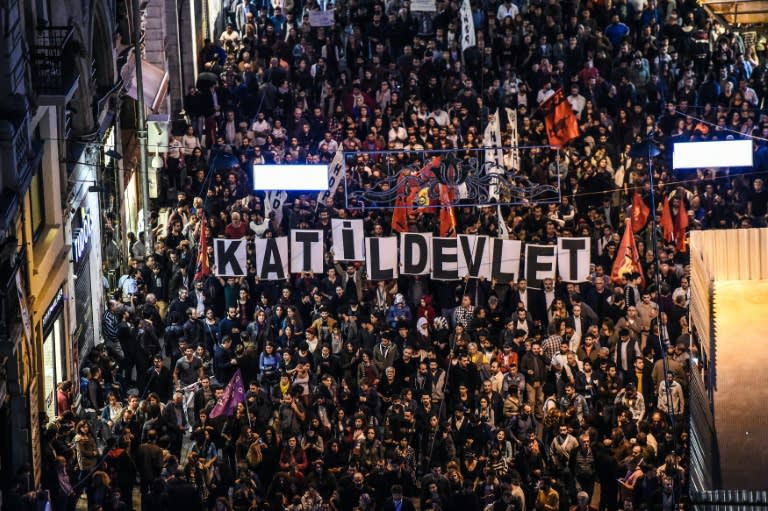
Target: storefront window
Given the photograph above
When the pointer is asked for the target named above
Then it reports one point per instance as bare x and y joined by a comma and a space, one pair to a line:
54, 352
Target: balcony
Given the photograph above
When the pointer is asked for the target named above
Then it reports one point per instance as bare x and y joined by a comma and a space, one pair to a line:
14, 149
54, 72
19, 157
739, 12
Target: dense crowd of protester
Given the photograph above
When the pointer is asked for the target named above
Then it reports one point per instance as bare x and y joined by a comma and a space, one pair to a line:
412, 393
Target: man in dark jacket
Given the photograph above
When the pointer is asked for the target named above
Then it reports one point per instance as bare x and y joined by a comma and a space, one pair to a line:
224, 361
150, 464
181, 495
157, 379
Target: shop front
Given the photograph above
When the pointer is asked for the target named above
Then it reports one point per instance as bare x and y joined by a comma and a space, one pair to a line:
55, 366
84, 279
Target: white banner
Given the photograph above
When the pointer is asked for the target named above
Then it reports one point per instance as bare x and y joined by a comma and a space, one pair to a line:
274, 201
321, 18
348, 239
474, 256
445, 259
494, 155
415, 253
512, 117
335, 176
381, 258
540, 262
272, 258
467, 26
573, 256
423, 6
230, 257
418, 254
505, 263
503, 229
306, 251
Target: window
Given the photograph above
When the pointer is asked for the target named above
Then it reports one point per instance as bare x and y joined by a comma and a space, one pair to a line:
37, 197
37, 208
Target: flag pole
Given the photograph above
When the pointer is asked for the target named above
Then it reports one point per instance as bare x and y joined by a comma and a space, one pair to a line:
664, 341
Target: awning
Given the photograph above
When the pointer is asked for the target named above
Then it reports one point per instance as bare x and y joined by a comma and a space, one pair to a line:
155, 82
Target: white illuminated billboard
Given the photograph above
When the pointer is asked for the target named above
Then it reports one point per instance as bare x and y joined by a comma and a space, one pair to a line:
306, 178
723, 153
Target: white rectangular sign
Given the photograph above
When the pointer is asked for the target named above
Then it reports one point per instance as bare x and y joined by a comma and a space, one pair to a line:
321, 18
348, 239
310, 178
231, 257
722, 153
573, 256
306, 251
381, 258
423, 6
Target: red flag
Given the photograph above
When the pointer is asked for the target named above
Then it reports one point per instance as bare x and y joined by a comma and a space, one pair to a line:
640, 212
447, 217
627, 258
201, 268
415, 194
559, 119
681, 224
400, 211
667, 226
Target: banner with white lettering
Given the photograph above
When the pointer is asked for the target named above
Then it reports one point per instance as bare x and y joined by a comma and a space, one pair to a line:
467, 26
335, 176
230, 257
494, 156
573, 256
505, 261
415, 253
474, 256
272, 258
540, 262
348, 239
306, 251
381, 258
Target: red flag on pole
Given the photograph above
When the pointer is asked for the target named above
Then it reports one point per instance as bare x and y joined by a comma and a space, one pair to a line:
681, 225
640, 212
447, 217
415, 194
201, 268
667, 226
400, 211
627, 258
559, 119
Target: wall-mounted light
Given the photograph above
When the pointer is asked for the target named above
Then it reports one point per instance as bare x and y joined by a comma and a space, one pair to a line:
157, 161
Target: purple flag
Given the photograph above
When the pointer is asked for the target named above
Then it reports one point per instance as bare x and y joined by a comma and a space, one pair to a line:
233, 394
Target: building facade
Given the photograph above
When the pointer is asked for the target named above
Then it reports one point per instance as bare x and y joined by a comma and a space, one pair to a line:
60, 144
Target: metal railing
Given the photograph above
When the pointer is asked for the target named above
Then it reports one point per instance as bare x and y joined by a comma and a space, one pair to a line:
53, 66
